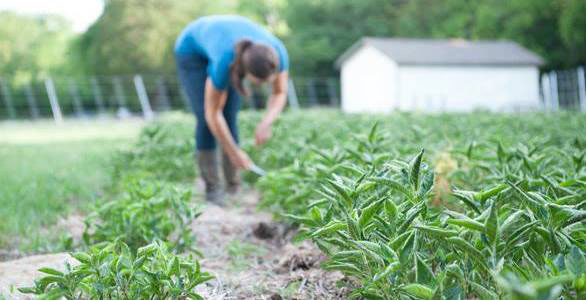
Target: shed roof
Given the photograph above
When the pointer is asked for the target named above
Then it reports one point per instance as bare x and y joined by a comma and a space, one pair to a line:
447, 52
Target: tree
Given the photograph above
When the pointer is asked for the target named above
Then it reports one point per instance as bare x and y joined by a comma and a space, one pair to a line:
32, 46
319, 31
535, 24
137, 35
573, 31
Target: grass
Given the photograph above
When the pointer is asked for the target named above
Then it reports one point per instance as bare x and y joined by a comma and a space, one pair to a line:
241, 252
48, 171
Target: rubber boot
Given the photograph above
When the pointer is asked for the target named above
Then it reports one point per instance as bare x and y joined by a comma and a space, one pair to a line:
209, 170
231, 175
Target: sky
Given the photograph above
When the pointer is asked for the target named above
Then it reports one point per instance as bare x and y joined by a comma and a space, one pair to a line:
81, 13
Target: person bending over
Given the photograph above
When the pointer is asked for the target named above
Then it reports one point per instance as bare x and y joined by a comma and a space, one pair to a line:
214, 54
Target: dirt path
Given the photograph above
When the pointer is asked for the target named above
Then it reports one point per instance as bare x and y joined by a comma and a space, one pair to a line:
248, 267
245, 266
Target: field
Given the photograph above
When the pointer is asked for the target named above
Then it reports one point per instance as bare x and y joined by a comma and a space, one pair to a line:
50, 171
400, 206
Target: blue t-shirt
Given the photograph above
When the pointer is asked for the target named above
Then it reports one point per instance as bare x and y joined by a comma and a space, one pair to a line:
214, 37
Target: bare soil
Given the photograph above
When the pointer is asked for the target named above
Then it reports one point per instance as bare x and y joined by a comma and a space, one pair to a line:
250, 256
23, 271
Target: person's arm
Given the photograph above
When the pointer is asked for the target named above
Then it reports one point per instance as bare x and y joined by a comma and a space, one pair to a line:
214, 102
276, 103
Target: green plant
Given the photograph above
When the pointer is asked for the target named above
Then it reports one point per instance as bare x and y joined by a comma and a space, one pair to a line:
373, 217
164, 151
114, 271
145, 212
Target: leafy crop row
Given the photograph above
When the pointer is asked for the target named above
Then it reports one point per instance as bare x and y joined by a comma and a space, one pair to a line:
493, 208
511, 224
132, 239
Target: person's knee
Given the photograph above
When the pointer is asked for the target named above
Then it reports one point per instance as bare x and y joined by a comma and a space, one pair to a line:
204, 138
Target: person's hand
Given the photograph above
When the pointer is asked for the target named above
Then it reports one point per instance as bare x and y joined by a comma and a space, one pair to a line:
263, 133
241, 160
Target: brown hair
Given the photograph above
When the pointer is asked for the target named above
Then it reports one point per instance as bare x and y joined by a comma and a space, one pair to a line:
254, 58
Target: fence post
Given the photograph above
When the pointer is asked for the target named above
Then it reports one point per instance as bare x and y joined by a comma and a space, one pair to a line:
7, 99
98, 97
74, 93
582, 88
143, 97
545, 91
311, 94
162, 96
53, 100
32, 100
553, 83
119, 92
292, 95
332, 92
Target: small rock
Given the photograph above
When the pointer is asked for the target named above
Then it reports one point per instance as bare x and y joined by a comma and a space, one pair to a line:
276, 297
265, 231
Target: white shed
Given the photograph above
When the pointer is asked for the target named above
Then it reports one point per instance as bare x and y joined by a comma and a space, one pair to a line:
384, 74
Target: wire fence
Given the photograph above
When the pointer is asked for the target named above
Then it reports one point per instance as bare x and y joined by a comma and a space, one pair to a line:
147, 94
564, 89
127, 95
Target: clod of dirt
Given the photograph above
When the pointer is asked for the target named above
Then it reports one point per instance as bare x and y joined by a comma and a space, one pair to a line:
276, 297
9, 255
265, 231
303, 257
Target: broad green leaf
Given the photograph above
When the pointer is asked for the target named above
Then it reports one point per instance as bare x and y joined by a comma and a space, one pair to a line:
330, 228
437, 231
418, 290
415, 168
469, 249
423, 272
51, 271
407, 249
390, 209
510, 220
400, 240
491, 225
576, 261
426, 184
81, 257
342, 191
301, 220
367, 213
485, 195
483, 292
392, 267
468, 223
501, 154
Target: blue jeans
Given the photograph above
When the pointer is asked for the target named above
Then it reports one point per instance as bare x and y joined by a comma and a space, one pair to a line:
192, 71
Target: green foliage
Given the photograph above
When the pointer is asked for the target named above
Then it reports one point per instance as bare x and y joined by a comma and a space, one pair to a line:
113, 271
321, 30
572, 24
519, 211
48, 172
138, 36
41, 50
501, 215
164, 152
141, 26
148, 214
145, 212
